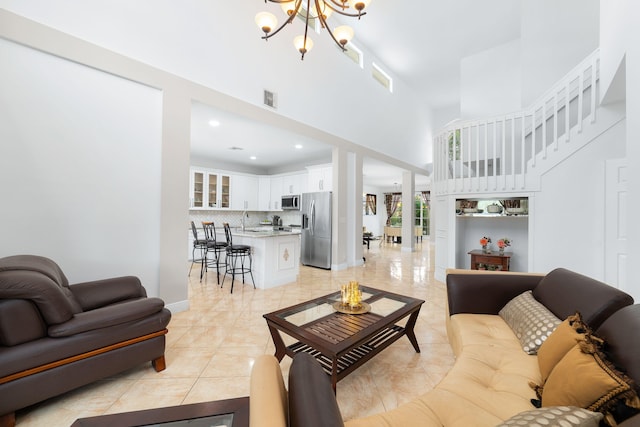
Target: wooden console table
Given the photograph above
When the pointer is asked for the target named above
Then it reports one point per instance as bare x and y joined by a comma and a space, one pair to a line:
493, 259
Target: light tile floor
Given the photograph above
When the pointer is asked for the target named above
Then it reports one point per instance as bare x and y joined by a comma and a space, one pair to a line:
212, 346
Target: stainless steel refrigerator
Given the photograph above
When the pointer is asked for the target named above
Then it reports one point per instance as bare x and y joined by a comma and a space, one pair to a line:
316, 229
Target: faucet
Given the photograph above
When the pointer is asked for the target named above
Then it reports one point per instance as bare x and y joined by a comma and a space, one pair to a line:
244, 215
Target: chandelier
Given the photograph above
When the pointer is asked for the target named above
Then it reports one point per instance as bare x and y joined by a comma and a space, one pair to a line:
310, 10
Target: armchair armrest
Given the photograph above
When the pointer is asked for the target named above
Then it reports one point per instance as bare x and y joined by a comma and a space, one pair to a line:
99, 293
104, 317
486, 293
268, 402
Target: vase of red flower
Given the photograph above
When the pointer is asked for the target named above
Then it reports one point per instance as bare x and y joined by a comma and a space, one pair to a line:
503, 243
484, 242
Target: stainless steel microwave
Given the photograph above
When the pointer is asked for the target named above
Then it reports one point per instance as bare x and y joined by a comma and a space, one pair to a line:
291, 202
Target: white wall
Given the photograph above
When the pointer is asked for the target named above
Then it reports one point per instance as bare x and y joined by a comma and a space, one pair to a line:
614, 21
569, 210
490, 82
218, 45
555, 37
79, 166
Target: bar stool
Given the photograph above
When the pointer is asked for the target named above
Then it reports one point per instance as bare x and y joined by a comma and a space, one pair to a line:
199, 244
213, 246
234, 254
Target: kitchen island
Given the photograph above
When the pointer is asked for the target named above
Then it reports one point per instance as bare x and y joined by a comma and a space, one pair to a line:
275, 253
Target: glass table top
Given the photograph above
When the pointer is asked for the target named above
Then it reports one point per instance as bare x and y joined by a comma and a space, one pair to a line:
382, 304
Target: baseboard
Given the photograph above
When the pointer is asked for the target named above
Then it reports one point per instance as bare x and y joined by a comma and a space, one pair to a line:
177, 307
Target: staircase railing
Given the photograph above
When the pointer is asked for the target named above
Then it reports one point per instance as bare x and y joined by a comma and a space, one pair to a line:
503, 153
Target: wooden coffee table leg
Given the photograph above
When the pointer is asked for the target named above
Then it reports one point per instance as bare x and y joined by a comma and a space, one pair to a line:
408, 330
334, 374
281, 349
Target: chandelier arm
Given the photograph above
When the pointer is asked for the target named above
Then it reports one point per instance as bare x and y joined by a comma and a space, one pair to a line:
306, 29
341, 12
288, 21
326, 27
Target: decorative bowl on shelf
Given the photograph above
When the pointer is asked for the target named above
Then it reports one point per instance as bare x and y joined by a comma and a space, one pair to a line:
494, 208
516, 210
470, 210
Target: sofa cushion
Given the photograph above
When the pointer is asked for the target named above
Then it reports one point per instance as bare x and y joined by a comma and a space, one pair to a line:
311, 406
268, 404
553, 349
585, 378
20, 322
476, 329
530, 321
569, 416
564, 292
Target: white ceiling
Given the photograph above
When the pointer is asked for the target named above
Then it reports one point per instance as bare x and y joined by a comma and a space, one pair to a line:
420, 41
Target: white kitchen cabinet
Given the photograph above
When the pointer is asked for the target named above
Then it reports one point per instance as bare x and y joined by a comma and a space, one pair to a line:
276, 193
264, 193
209, 189
245, 192
219, 194
294, 183
196, 189
320, 178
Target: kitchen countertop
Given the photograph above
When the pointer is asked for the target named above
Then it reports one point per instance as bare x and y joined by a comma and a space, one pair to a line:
259, 232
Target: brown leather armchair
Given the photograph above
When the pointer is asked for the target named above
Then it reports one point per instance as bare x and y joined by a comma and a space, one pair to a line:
55, 337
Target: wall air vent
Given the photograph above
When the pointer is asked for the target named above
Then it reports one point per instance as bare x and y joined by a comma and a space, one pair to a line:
270, 99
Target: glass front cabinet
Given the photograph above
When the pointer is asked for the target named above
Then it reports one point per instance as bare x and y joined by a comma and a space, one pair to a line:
209, 190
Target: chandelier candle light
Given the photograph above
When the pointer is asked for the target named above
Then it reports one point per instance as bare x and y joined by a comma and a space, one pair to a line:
310, 10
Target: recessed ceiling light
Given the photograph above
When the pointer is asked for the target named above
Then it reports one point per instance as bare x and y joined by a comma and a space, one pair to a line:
214, 123
298, 146
253, 157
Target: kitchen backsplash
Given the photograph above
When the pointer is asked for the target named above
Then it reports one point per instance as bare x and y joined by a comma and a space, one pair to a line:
234, 218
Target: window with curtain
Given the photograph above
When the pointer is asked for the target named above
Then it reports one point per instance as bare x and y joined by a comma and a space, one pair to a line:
370, 204
392, 202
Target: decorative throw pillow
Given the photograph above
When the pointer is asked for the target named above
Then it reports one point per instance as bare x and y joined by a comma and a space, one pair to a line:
565, 337
585, 378
560, 416
531, 321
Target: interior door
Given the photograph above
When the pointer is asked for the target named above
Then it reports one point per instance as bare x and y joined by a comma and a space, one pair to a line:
616, 222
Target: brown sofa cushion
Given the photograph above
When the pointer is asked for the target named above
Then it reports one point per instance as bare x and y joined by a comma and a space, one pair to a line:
40, 280
554, 348
585, 378
311, 406
564, 292
20, 322
104, 317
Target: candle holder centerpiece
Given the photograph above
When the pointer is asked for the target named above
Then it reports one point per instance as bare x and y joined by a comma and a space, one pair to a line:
351, 299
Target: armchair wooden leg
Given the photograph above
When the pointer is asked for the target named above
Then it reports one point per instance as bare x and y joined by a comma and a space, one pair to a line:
8, 420
159, 364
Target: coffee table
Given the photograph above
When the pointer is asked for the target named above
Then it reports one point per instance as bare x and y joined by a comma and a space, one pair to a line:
227, 413
343, 342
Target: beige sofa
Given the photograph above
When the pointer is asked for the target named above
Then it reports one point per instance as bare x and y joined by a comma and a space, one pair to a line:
489, 383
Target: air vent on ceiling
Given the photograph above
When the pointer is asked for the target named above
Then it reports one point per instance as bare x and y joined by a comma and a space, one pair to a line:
270, 99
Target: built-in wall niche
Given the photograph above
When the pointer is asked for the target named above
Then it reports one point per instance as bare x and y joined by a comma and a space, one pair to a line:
499, 206
478, 218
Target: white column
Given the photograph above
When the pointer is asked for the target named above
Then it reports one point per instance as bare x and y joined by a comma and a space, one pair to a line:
408, 211
354, 209
339, 234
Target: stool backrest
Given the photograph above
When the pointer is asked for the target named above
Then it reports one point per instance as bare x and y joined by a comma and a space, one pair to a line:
209, 231
227, 233
194, 231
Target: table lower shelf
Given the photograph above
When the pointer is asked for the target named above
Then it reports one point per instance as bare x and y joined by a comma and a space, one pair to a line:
355, 357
